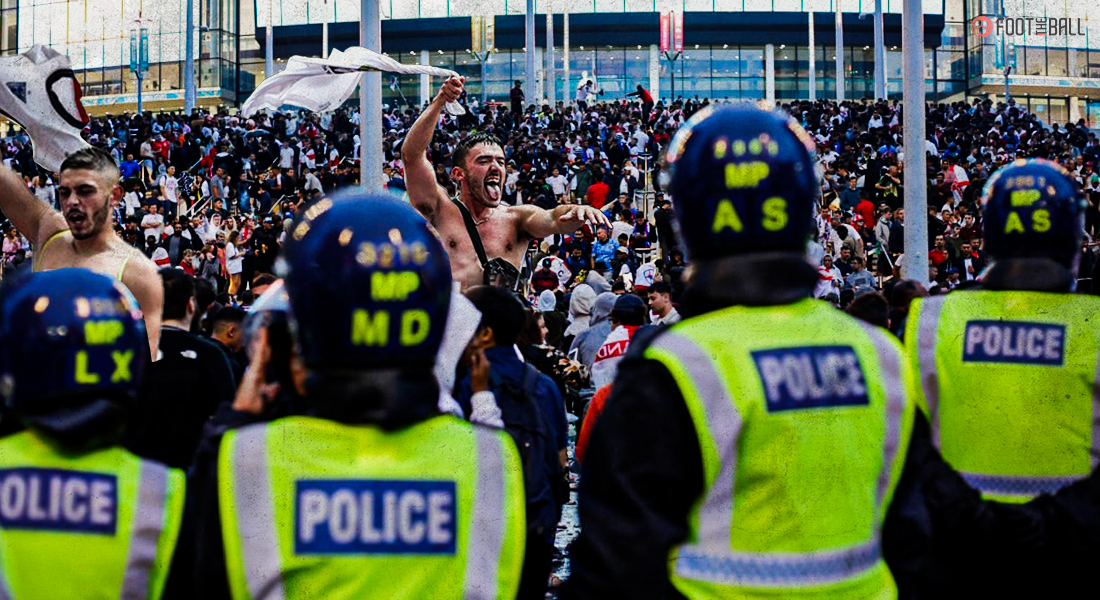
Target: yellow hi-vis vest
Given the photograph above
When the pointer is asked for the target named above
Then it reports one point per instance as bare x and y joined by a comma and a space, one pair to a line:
803, 416
91, 526
1011, 385
317, 509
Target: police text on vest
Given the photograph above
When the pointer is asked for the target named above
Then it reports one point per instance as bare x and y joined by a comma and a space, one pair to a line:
811, 377
375, 517
58, 500
1014, 342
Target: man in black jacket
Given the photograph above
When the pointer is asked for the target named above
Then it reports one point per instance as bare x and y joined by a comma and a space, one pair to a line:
183, 388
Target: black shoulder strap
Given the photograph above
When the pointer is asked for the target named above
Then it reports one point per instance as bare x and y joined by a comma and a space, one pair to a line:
471, 229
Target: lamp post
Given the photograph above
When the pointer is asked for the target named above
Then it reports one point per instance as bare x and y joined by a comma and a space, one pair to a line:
139, 57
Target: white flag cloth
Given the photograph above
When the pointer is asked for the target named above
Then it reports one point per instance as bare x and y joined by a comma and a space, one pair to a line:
323, 84
40, 93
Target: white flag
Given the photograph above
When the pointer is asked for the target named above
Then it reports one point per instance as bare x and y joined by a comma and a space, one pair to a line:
323, 84
40, 93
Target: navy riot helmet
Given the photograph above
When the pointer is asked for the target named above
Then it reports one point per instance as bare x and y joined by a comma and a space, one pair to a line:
1033, 209
743, 180
73, 349
369, 283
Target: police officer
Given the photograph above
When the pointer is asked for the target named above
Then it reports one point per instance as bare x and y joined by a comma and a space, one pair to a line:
767, 445
1010, 372
80, 517
373, 493
753, 449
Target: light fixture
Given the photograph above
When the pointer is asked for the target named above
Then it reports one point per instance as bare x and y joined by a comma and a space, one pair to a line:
696, 46
412, 52
639, 46
441, 52
525, 49
782, 46
725, 45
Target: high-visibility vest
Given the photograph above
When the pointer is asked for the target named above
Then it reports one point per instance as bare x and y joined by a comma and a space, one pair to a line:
1011, 386
803, 417
97, 525
316, 509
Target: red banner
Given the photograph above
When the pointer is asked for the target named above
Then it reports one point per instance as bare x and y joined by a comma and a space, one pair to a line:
665, 31
678, 31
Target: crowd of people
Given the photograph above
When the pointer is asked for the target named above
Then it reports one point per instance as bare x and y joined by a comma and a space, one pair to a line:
210, 200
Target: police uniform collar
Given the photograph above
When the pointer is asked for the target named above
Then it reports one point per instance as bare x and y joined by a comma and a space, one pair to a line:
1028, 274
82, 425
758, 279
390, 398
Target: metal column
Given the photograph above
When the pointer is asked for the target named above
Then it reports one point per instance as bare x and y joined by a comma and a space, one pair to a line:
769, 74
550, 86
189, 90
531, 76
880, 54
370, 102
840, 78
813, 60
915, 264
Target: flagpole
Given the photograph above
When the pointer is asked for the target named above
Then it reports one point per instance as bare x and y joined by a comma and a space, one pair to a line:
370, 102
189, 91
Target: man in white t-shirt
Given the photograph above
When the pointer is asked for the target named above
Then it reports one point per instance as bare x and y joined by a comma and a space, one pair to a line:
558, 183
169, 189
152, 224
286, 156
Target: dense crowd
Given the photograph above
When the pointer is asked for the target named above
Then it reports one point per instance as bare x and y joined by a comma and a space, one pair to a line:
213, 194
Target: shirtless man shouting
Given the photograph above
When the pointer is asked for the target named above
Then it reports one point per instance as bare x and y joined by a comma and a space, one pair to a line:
479, 172
82, 234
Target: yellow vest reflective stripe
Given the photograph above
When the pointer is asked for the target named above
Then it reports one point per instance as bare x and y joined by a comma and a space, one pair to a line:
955, 352
147, 527
147, 512
928, 321
494, 517
711, 558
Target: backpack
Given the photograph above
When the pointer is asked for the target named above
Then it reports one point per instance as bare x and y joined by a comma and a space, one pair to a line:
529, 428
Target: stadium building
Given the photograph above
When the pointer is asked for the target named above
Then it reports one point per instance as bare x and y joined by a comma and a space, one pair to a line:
616, 42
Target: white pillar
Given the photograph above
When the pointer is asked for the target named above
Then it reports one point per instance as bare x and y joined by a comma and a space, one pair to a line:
840, 79
769, 74
655, 71
324, 31
531, 83
880, 54
813, 61
551, 93
425, 80
540, 77
1074, 109
565, 59
370, 102
915, 264
189, 91
269, 42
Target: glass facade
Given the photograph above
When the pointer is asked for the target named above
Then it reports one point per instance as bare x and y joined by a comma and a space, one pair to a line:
230, 61
717, 72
